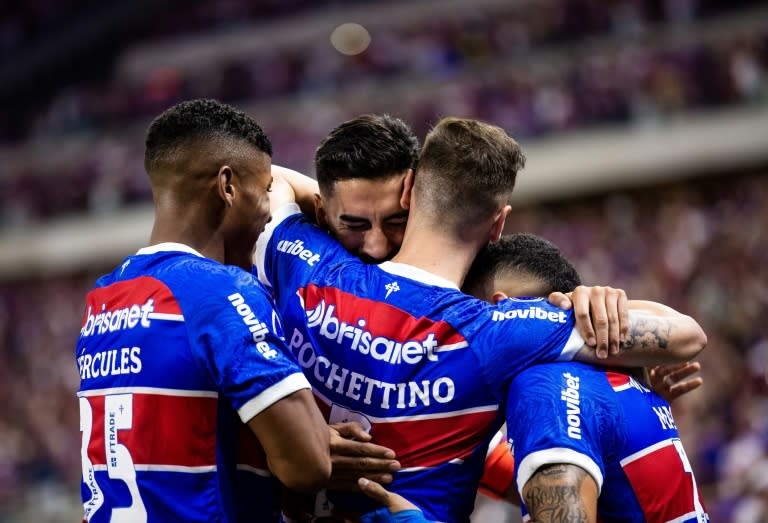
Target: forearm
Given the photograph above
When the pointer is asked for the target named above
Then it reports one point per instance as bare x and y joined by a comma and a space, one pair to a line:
561, 494
292, 186
657, 335
296, 441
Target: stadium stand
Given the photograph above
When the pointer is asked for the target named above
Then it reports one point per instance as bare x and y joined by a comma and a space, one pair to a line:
647, 111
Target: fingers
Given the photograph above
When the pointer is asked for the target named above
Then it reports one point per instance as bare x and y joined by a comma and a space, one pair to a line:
581, 311
678, 389
559, 299
602, 317
351, 448
351, 430
669, 381
612, 316
394, 502
353, 459
623, 304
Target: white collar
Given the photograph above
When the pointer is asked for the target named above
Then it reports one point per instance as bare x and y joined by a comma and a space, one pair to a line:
415, 273
168, 247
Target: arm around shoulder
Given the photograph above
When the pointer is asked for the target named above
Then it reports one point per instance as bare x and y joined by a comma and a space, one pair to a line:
295, 439
289, 186
657, 335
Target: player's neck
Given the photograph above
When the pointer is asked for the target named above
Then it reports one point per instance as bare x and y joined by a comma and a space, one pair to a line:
170, 227
441, 255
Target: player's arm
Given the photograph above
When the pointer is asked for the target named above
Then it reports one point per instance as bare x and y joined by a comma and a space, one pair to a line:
561, 493
295, 439
289, 186
656, 335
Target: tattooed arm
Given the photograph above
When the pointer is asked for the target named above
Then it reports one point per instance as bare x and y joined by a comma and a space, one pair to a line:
561, 494
657, 335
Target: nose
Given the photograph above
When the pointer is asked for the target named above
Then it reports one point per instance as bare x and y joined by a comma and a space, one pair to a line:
376, 245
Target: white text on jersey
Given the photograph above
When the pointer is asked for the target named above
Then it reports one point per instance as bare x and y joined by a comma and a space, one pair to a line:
296, 248
665, 417
111, 362
119, 319
570, 395
357, 338
372, 391
258, 328
531, 313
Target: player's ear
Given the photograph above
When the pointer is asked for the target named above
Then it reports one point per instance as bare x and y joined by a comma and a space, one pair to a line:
498, 224
498, 296
224, 186
320, 215
405, 198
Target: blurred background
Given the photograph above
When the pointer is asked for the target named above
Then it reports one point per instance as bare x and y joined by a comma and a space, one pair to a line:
645, 124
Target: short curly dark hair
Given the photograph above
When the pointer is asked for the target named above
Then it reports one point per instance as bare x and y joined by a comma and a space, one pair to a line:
202, 119
527, 255
370, 146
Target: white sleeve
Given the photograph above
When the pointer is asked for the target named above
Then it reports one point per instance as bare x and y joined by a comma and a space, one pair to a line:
280, 215
572, 346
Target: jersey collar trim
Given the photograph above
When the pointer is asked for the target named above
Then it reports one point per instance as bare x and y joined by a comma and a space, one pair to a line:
414, 273
169, 247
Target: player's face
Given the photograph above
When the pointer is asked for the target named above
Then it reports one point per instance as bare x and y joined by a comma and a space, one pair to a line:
365, 216
253, 178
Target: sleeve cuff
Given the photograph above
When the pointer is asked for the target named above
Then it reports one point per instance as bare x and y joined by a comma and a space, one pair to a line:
572, 346
278, 217
272, 395
558, 455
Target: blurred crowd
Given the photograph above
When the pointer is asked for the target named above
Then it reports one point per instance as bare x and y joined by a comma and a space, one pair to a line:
534, 68
698, 247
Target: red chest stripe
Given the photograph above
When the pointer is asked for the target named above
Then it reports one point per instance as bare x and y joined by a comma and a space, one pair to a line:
381, 318
165, 430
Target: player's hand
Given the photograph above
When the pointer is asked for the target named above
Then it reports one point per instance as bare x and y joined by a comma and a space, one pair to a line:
602, 316
353, 457
669, 381
394, 502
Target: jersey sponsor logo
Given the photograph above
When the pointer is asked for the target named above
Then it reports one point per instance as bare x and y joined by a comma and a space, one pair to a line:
357, 338
296, 248
111, 362
570, 395
531, 313
128, 317
258, 329
391, 287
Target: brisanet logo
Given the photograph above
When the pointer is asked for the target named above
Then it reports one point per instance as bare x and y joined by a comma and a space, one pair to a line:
358, 338
119, 319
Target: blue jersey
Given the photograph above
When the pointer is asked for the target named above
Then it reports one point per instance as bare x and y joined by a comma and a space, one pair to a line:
176, 351
613, 427
404, 352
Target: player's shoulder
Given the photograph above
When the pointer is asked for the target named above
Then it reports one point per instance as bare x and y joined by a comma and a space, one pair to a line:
528, 308
561, 374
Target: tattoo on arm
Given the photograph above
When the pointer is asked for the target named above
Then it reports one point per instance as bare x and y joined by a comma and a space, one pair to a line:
554, 495
647, 332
